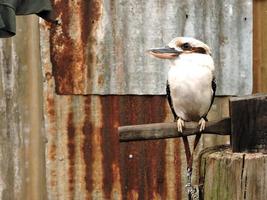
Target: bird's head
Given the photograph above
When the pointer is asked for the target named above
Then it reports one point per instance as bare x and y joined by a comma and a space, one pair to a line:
179, 46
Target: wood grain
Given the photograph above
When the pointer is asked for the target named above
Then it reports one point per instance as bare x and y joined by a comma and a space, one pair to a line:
169, 130
249, 123
226, 175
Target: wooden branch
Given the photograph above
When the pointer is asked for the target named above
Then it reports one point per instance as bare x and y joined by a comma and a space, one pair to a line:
169, 130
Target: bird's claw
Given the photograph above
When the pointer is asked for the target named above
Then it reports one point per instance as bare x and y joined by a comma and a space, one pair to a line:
180, 125
202, 124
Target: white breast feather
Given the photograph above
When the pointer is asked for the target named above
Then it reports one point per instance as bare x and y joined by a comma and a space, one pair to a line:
190, 78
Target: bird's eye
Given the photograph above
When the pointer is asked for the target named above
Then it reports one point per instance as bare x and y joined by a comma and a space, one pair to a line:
186, 46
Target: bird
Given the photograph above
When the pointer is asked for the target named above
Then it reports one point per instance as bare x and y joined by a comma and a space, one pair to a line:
191, 83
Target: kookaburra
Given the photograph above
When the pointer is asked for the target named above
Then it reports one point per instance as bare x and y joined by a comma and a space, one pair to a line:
191, 82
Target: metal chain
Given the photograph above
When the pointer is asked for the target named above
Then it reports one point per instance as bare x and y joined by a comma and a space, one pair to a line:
192, 191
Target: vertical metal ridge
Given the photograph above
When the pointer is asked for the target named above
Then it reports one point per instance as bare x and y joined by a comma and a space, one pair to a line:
73, 44
111, 147
173, 171
22, 148
87, 146
143, 162
71, 148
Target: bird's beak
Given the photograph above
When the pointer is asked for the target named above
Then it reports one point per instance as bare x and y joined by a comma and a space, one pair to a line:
165, 53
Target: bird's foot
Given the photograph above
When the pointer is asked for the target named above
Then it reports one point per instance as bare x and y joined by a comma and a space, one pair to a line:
180, 125
202, 124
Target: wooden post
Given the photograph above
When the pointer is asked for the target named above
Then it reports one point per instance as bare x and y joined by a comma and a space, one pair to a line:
225, 175
237, 172
249, 123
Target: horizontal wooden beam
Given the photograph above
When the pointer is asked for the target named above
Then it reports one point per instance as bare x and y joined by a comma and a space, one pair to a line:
169, 130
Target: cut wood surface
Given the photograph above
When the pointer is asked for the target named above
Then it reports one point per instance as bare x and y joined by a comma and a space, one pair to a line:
169, 130
233, 176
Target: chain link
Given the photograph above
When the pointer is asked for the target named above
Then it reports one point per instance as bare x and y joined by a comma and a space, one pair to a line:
192, 191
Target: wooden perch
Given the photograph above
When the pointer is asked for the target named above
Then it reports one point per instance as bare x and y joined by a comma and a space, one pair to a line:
169, 130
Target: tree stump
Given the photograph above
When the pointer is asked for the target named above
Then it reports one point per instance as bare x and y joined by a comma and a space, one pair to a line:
225, 175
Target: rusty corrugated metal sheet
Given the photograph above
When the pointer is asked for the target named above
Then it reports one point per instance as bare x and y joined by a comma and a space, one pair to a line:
100, 46
21, 131
84, 159
83, 154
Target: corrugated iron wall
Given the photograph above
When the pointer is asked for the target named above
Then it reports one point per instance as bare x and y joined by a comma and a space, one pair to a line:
86, 161
22, 158
84, 157
100, 48
66, 146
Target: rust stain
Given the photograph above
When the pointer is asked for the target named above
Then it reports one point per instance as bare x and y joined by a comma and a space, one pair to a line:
156, 149
52, 156
177, 167
52, 152
111, 170
51, 108
111, 112
143, 163
73, 44
133, 195
90, 15
61, 58
116, 190
71, 153
87, 146
48, 76
93, 37
97, 161
101, 79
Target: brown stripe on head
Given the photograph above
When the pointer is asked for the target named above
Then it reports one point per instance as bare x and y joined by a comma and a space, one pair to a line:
199, 50
197, 45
